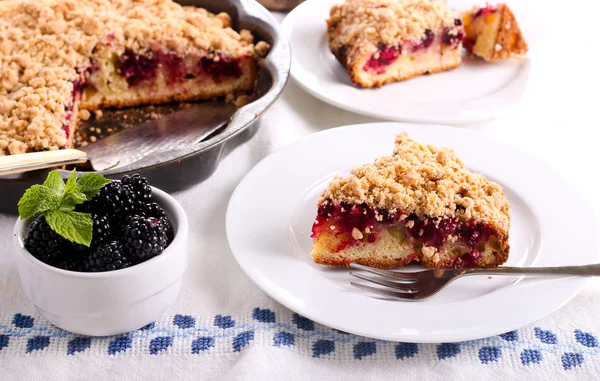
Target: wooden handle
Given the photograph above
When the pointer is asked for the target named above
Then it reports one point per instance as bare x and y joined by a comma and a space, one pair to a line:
37, 160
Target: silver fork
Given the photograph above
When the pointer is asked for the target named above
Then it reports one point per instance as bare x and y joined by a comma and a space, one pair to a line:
419, 285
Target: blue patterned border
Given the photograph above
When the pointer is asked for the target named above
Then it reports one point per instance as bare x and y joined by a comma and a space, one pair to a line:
178, 334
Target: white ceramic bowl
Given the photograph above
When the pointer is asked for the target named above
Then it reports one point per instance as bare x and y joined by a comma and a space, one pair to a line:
111, 302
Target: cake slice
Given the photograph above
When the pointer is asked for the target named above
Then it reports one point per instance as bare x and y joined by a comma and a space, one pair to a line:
384, 41
61, 56
492, 33
419, 205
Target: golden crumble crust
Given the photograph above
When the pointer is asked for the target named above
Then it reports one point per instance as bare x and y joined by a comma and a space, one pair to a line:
425, 180
361, 23
46, 45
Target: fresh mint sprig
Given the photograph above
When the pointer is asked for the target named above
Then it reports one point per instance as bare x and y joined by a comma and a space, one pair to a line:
57, 200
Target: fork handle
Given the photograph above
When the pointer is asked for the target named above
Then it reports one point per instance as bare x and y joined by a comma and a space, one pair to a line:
38, 160
590, 270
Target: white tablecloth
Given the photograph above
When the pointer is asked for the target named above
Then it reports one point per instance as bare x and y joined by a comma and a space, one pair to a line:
224, 328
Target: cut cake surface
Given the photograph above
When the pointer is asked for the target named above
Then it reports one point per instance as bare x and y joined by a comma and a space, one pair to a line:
61, 56
493, 34
384, 41
419, 205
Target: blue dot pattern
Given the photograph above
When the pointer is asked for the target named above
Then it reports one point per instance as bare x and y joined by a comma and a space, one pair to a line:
563, 350
586, 339
364, 349
202, 344
406, 350
510, 336
22, 321
242, 340
447, 350
159, 344
37, 343
303, 323
119, 344
78, 344
224, 322
322, 347
570, 360
284, 339
342, 332
529, 356
148, 327
184, 322
263, 315
489, 354
546, 337
4, 340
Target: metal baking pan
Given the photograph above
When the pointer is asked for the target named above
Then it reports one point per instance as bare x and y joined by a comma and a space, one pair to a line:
183, 167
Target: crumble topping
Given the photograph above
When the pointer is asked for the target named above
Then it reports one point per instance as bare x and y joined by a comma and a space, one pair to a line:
388, 21
421, 179
46, 47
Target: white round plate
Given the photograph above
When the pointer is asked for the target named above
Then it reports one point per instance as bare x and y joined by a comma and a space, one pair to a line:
474, 91
271, 212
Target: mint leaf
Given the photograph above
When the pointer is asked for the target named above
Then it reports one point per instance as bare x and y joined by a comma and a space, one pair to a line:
91, 183
70, 200
38, 199
71, 185
54, 181
74, 226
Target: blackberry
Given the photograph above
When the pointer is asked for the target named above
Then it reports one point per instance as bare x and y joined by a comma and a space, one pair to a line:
101, 231
141, 188
107, 257
154, 210
106, 201
144, 238
71, 262
42, 242
126, 201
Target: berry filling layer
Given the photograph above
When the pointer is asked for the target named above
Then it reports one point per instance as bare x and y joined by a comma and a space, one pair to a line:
386, 55
176, 68
345, 226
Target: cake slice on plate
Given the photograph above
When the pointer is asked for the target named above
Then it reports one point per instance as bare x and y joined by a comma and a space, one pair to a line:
58, 56
419, 205
383, 41
492, 33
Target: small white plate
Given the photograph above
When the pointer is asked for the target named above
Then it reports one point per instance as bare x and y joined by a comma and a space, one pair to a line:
271, 212
474, 91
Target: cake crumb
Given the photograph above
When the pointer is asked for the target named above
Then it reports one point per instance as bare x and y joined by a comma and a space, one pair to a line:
410, 224
98, 114
428, 251
356, 234
489, 277
261, 49
84, 114
436, 258
241, 100
498, 47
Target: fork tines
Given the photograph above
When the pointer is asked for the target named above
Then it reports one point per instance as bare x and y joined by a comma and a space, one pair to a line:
397, 285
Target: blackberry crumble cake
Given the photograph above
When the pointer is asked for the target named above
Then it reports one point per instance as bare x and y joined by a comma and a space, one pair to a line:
492, 33
419, 205
58, 56
383, 41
